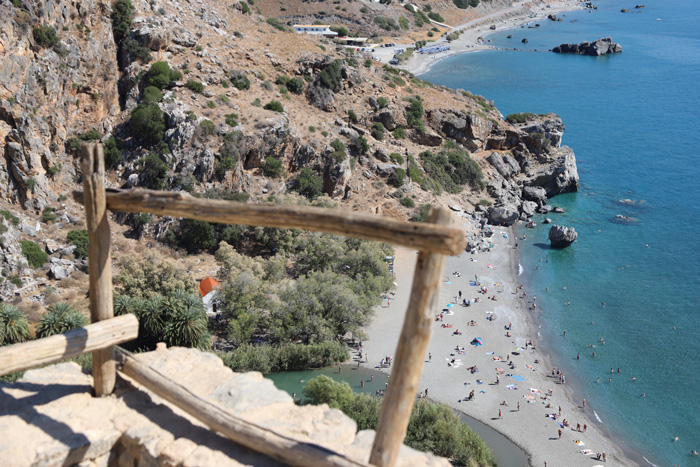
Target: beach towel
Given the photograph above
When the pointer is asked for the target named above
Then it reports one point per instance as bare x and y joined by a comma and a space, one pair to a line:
512, 386
586, 452
518, 378
448, 282
579, 442
450, 305
535, 391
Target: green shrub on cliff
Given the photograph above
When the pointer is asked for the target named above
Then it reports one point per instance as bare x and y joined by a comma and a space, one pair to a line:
432, 427
148, 122
36, 257
45, 36
13, 325
451, 169
60, 318
519, 118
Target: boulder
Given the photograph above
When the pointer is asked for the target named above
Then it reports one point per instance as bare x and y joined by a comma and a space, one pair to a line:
558, 210
536, 194
596, 48
547, 220
558, 176
561, 237
529, 208
60, 268
425, 138
505, 215
550, 125
504, 164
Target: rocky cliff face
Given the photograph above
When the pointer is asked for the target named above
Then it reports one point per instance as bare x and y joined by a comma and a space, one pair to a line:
221, 136
51, 92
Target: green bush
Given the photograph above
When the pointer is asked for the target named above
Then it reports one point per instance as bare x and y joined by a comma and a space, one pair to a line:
421, 213
160, 75
155, 170
273, 168
403, 22
48, 214
54, 169
519, 118
285, 357
414, 114
195, 86
309, 184
10, 217
432, 427
275, 106
91, 135
148, 123
331, 76
361, 145
397, 177
239, 80
382, 102
198, 236
407, 202
436, 17
378, 131
296, 85
396, 158
121, 20
231, 119
207, 127
45, 36
399, 133
352, 116
112, 152
79, 238
36, 257
451, 169
135, 51
275, 23
245, 9
151, 95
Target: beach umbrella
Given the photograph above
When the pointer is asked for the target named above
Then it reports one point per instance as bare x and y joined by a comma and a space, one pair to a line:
518, 349
477, 341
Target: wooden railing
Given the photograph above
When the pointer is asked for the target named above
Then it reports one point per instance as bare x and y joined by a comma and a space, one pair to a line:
433, 240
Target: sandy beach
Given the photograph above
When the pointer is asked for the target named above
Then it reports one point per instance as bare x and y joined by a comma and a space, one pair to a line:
519, 14
533, 396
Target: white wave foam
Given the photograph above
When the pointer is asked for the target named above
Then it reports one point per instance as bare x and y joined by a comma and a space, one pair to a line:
597, 417
520, 269
649, 462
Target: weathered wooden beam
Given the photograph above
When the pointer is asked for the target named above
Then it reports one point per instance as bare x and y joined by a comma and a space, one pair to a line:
99, 262
277, 446
76, 342
416, 235
410, 353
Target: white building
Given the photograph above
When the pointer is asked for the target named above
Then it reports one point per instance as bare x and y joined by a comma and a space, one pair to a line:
315, 29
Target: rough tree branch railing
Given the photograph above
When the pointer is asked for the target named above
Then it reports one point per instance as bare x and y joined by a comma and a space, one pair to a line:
283, 448
96, 336
415, 235
433, 239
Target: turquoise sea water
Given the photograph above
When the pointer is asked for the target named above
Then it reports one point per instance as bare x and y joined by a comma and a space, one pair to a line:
632, 120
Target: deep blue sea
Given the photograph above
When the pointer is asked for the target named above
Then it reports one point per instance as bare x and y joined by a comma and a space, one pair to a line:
632, 120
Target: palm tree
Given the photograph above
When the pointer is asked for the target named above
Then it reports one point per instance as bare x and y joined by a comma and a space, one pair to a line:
60, 318
188, 328
151, 316
13, 325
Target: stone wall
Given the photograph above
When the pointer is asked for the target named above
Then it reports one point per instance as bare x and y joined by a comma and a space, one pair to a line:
49, 418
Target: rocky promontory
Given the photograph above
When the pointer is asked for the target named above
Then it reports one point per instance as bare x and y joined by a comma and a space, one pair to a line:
596, 48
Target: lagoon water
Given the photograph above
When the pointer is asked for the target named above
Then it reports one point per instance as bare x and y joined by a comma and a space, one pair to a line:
632, 120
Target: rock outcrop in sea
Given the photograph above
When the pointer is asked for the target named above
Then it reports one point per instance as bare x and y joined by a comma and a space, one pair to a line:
596, 48
561, 236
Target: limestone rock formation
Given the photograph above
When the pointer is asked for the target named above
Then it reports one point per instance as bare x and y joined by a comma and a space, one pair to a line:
49, 417
596, 48
506, 215
560, 176
536, 194
561, 237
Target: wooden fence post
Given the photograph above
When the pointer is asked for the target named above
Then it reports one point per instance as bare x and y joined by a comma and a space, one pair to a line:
410, 352
103, 364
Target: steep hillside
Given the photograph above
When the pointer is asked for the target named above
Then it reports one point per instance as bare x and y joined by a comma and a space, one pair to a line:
212, 98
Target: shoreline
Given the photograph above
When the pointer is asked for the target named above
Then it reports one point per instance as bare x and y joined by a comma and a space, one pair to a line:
451, 383
520, 14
